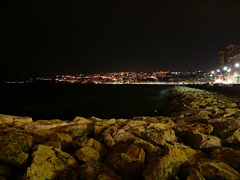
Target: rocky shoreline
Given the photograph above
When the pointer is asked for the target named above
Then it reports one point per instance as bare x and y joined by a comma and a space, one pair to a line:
197, 138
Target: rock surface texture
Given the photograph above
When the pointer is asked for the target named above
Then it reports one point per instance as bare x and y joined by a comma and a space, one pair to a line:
198, 137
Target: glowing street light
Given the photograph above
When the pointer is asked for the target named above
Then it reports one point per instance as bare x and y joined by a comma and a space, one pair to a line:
225, 68
237, 65
221, 74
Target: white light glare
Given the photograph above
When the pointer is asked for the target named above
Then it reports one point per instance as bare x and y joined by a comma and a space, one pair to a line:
237, 65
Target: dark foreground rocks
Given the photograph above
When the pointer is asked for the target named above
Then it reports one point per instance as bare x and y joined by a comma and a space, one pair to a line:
197, 138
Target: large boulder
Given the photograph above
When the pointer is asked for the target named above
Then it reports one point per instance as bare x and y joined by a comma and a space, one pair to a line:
86, 154
194, 175
161, 168
227, 155
183, 130
64, 139
203, 141
160, 138
108, 140
126, 166
5, 118
40, 136
216, 169
80, 120
74, 130
130, 150
231, 138
92, 143
147, 146
192, 155
18, 140
45, 124
136, 123
49, 163
96, 170
183, 154
177, 154
123, 136
12, 156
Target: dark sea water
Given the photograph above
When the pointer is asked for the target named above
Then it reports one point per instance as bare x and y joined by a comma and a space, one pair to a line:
65, 101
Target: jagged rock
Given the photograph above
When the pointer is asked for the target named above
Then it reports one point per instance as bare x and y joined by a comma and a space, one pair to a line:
232, 105
183, 130
110, 122
123, 136
108, 140
227, 155
194, 175
127, 167
22, 119
12, 156
231, 138
192, 155
177, 154
44, 124
90, 142
18, 140
164, 124
161, 168
121, 122
40, 136
183, 154
147, 146
233, 123
218, 124
146, 119
203, 141
160, 138
216, 169
64, 139
96, 170
5, 119
98, 130
53, 144
49, 163
136, 131
130, 150
193, 111
80, 120
74, 130
136, 123
86, 154
231, 111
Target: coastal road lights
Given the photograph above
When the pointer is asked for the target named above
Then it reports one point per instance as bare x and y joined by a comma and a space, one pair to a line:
228, 70
236, 72
221, 74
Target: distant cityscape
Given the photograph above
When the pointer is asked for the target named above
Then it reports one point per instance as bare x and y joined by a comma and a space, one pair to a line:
228, 73
155, 77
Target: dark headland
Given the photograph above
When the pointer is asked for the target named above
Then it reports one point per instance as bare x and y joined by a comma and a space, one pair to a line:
197, 137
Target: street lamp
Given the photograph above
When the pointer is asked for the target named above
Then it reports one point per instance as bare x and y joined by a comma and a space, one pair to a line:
221, 74
237, 65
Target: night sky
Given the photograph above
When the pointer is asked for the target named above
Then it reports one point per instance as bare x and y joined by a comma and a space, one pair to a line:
46, 37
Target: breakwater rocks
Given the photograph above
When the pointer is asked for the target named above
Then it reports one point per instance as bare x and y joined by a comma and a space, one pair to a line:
198, 138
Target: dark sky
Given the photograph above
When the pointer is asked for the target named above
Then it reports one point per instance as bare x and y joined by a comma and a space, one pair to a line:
46, 37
